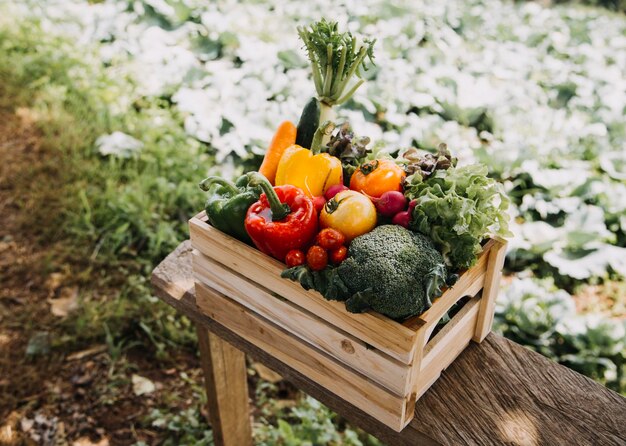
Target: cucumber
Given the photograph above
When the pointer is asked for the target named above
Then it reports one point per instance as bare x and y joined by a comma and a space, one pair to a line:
308, 124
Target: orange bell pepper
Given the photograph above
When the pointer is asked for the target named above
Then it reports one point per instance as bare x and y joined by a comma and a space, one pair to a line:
313, 173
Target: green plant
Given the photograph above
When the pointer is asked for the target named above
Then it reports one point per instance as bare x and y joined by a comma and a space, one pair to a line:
309, 423
535, 314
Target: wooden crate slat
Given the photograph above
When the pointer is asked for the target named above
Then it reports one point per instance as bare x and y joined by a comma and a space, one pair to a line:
454, 345
354, 388
372, 328
468, 285
442, 350
491, 288
456, 330
381, 368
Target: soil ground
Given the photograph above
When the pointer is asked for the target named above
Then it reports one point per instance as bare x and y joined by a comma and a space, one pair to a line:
47, 396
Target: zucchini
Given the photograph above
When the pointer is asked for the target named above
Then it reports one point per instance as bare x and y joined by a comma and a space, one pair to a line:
308, 124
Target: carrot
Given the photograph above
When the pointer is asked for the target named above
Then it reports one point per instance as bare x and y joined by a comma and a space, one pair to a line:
284, 137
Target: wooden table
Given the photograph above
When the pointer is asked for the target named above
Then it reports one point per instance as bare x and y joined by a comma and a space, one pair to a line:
497, 392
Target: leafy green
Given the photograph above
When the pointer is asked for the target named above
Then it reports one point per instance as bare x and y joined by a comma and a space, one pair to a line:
352, 150
426, 164
458, 208
326, 282
335, 58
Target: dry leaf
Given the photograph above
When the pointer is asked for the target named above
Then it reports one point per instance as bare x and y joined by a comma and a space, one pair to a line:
54, 281
65, 304
88, 352
142, 386
85, 441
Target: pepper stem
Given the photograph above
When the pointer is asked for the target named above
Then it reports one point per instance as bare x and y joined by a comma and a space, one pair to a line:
279, 210
206, 184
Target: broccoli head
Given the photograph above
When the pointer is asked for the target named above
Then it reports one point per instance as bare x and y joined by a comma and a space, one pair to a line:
393, 271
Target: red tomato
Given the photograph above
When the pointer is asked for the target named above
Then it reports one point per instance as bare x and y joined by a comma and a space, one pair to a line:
330, 238
338, 255
317, 258
295, 257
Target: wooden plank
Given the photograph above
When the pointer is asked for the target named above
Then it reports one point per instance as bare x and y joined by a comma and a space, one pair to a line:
491, 391
457, 331
450, 296
498, 392
371, 328
225, 379
490, 292
386, 371
468, 284
445, 347
316, 365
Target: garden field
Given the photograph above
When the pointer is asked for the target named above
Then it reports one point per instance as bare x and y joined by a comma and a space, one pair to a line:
112, 111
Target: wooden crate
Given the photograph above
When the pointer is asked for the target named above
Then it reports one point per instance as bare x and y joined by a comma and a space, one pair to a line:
371, 361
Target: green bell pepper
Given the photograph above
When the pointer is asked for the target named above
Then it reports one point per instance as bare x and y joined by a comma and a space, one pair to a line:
228, 203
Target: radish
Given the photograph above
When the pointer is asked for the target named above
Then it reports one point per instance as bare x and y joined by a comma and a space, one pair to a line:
390, 203
319, 203
334, 190
403, 218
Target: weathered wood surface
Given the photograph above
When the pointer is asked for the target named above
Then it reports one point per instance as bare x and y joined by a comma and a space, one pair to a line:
225, 380
495, 393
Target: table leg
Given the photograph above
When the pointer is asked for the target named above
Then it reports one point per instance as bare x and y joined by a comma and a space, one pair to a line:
224, 369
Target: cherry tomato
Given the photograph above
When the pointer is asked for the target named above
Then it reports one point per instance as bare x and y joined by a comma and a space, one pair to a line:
295, 257
350, 213
338, 255
317, 258
377, 177
330, 238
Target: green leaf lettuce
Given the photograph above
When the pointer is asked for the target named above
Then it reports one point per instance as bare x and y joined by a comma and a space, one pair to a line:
458, 208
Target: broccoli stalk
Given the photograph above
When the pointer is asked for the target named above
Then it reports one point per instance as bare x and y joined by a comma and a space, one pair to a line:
335, 58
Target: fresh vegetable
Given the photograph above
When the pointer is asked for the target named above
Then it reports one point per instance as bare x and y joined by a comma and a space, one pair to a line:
295, 257
376, 177
330, 238
338, 255
326, 281
312, 172
458, 207
335, 58
316, 258
390, 203
227, 204
308, 124
351, 150
284, 137
319, 203
394, 271
404, 218
283, 219
425, 164
334, 190
349, 212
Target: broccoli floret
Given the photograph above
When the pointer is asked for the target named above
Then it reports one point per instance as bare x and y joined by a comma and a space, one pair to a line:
394, 271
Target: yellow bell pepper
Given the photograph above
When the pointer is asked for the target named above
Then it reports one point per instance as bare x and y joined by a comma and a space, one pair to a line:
313, 173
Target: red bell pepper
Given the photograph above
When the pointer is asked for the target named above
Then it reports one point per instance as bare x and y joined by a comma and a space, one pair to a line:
283, 219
